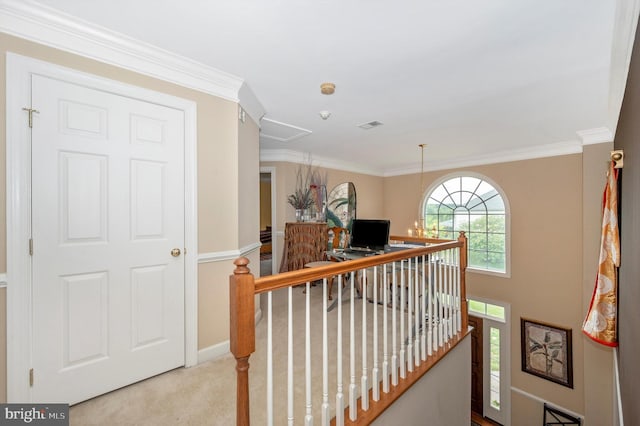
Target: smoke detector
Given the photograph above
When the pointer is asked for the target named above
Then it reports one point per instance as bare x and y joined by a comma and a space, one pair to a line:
325, 114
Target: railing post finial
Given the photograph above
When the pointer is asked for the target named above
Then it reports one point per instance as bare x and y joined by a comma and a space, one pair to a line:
241, 266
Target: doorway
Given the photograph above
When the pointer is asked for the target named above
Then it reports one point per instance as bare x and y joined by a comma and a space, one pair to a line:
268, 249
490, 366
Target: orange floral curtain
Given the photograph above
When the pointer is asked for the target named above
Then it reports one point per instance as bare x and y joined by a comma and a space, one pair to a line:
601, 321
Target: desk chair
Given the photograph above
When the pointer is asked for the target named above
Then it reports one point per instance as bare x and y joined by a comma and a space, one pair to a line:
338, 239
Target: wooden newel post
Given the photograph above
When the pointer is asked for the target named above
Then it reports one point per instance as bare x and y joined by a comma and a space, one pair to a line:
463, 283
242, 333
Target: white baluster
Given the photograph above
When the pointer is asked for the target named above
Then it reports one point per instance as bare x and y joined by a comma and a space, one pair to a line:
459, 297
416, 313
450, 293
440, 300
403, 362
270, 358
339, 391
364, 380
385, 330
446, 283
409, 341
375, 373
308, 418
326, 414
423, 311
353, 413
430, 301
290, 418
394, 336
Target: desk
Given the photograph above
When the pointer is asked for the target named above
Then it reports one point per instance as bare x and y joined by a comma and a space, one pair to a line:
304, 242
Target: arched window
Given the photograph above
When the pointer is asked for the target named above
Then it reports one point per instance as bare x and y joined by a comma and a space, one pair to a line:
467, 202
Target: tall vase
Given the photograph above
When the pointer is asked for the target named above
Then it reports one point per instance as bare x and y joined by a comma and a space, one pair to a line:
322, 203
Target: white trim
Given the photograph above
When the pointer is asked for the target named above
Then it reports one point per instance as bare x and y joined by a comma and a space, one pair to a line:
219, 256
588, 137
543, 401
45, 25
503, 415
274, 212
594, 136
18, 190
617, 399
3, 280
518, 154
213, 352
291, 156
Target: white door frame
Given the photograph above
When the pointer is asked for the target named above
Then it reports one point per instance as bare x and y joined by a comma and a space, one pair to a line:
274, 204
505, 360
18, 199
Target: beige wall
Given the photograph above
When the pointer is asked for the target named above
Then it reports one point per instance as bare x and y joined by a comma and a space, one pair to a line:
438, 395
220, 160
369, 192
548, 201
598, 359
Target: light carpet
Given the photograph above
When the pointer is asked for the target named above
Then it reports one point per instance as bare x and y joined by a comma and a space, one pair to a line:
205, 394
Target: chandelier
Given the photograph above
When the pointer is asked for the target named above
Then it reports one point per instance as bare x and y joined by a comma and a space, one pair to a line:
418, 226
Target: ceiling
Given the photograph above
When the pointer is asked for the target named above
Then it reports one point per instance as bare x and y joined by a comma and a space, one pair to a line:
474, 80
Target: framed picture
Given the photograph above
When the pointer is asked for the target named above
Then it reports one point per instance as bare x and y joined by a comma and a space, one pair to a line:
546, 351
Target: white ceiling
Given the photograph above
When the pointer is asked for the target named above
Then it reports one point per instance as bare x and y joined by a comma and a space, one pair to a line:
471, 79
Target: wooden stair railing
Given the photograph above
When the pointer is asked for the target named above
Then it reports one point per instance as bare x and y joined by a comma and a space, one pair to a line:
242, 291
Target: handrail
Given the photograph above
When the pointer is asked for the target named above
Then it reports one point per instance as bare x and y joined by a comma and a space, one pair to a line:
301, 276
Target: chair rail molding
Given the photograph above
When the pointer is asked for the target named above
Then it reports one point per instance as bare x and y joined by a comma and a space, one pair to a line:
219, 256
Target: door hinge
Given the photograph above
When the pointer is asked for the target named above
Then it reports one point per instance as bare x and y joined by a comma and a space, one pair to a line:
31, 111
30, 246
31, 377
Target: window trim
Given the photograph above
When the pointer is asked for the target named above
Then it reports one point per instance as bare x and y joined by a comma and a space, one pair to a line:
507, 217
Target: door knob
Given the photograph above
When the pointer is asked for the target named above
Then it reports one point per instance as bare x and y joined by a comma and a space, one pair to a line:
175, 252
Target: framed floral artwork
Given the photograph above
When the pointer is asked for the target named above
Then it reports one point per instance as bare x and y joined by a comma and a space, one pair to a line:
546, 351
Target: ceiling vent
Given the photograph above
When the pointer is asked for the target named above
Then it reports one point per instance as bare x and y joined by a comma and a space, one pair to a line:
370, 125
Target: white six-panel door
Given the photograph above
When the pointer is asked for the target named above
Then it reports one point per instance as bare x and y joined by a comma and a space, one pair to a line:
107, 211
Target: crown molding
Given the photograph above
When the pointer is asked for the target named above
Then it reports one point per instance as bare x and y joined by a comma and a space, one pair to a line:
291, 156
589, 137
594, 136
529, 153
47, 26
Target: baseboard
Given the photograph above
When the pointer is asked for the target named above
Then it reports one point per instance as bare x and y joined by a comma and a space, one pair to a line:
618, 417
543, 401
216, 351
213, 352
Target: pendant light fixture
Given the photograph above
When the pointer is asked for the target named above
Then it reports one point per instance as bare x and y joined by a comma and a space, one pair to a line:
419, 224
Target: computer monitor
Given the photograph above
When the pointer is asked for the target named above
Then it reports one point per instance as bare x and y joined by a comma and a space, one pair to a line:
370, 233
